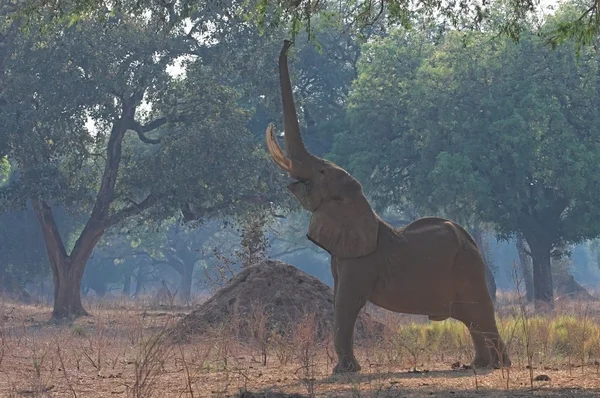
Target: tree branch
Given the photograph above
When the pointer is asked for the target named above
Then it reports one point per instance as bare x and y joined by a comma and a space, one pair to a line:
175, 263
289, 251
194, 215
54, 243
150, 257
141, 130
134, 209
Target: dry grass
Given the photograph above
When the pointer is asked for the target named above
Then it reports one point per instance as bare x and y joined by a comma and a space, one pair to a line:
120, 352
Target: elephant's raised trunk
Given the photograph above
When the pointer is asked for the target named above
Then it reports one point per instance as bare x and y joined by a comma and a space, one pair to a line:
294, 146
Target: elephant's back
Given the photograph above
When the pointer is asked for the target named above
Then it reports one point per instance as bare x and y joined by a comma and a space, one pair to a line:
431, 231
437, 229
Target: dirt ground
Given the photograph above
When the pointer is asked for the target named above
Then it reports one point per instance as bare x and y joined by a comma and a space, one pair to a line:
115, 353
268, 333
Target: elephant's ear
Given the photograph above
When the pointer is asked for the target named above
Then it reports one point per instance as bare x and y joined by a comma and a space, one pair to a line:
346, 228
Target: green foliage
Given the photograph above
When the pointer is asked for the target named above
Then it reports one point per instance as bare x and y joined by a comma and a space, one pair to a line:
161, 147
205, 150
311, 16
505, 131
4, 170
511, 18
378, 106
481, 128
575, 21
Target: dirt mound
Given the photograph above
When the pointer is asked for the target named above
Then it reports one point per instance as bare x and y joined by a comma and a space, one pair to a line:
272, 293
12, 290
568, 288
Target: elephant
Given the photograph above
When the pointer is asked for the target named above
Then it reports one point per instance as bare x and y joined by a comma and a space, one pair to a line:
430, 267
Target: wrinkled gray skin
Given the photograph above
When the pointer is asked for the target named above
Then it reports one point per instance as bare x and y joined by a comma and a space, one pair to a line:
431, 267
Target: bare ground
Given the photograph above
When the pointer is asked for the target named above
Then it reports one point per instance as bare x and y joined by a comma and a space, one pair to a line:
116, 353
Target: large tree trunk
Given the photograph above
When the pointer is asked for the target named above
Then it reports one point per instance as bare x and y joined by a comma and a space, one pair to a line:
489, 275
525, 266
67, 291
543, 289
67, 270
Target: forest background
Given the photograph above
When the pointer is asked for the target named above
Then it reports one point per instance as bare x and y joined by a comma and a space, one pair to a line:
132, 153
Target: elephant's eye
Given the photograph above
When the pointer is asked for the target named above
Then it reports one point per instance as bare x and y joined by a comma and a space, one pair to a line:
322, 171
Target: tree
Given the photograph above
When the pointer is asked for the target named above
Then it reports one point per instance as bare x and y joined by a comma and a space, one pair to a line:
107, 71
299, 14
183, 247
380, 94
525, 267
507, 131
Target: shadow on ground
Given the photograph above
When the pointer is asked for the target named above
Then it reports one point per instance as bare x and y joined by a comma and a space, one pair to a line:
367, 377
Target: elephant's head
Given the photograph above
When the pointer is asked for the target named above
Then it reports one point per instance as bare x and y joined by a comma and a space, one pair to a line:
343, 222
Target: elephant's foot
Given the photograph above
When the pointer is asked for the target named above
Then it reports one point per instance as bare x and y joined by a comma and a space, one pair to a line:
503, 361
346, 365
492, 361
483, 363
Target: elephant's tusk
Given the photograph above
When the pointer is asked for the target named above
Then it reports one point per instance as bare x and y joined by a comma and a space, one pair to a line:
275, 150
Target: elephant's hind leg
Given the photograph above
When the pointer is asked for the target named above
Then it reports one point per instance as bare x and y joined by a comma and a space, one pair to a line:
479, 319
473, 306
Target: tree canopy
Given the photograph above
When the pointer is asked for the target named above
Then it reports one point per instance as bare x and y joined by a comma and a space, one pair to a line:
160, 146
508, 17
507, 132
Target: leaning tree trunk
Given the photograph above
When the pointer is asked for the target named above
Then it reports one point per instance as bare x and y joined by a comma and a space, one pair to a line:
99, 287
140, 280
543, 289
489, 275
186, 282
525, 268
127, 284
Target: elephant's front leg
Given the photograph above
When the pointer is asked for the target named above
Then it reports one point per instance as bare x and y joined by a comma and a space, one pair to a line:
347, 304
335, 278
